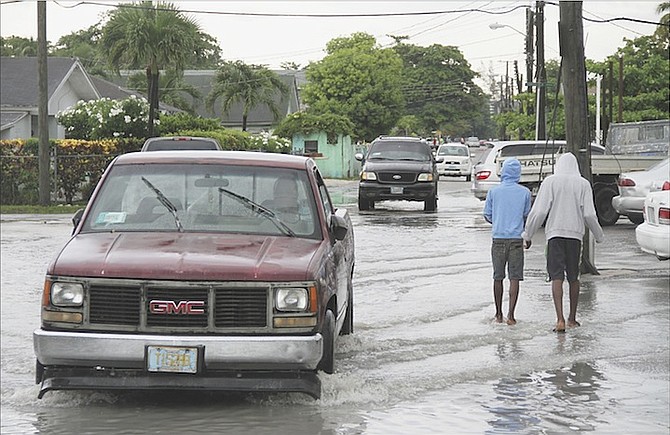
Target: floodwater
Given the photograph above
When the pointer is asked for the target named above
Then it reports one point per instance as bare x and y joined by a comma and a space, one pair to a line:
425, 356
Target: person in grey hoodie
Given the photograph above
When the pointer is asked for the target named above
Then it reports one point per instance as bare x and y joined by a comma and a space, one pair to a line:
565, 200
506, 207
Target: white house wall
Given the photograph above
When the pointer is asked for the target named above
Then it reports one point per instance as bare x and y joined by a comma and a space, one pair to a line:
19, 130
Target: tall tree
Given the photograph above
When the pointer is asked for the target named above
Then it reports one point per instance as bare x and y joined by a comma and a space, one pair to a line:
439, 89
84, 45
250, 85
359, 80
156, 36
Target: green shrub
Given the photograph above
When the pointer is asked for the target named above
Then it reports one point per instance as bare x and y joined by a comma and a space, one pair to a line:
19, 167
106, 118
170, 124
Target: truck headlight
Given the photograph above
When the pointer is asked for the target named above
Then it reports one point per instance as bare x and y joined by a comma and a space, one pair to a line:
67, 294
291, 299
425, 177
369, 176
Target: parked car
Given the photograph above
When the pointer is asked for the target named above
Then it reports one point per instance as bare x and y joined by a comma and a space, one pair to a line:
398, 169
215, 270
187, 143
635, 186
457, 161
486, 168
653, 235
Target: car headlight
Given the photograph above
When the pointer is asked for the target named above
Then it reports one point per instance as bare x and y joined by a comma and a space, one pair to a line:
369, 176
67, 294
425, 177
291, 299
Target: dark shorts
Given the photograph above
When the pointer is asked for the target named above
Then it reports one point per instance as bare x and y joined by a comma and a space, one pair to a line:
507, 252
563, 256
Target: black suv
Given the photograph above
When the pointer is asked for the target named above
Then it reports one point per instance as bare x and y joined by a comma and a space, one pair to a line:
398, 168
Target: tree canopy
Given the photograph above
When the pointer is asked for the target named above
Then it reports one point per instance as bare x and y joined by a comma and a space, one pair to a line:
439, 90
155, 36
359, 80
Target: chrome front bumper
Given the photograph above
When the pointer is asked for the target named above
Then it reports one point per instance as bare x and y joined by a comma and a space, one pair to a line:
95, 361
56, 348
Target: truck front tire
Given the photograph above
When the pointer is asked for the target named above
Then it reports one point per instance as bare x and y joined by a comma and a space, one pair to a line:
607, 215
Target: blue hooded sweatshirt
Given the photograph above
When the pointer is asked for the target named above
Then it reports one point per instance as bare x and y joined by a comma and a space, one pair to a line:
508, 204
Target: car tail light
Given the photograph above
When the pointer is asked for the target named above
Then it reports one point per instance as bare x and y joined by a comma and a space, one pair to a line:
626, 182
664, 216
483, 175
666, 186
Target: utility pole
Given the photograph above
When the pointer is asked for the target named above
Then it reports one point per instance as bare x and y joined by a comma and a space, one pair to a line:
619, 117
571, 35
540, 118
43, 106
530, 25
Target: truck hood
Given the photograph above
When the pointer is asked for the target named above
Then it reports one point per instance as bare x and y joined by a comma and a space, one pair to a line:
189, 256
398, 166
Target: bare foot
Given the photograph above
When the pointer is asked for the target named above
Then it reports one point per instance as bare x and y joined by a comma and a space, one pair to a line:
499, 319
560, 326
573, 324
511, 321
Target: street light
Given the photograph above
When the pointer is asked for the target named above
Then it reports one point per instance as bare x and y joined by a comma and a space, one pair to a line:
541, 79
496, 26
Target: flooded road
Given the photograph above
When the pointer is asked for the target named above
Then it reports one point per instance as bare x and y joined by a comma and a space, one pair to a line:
425, 356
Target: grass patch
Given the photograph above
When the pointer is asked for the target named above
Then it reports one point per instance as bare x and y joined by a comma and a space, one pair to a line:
39, 209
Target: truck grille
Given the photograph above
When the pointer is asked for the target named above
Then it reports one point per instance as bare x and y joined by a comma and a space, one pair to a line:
400, 177
218, 308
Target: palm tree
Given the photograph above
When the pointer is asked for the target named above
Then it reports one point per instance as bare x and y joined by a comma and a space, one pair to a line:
250, 85
664, 27
171, 87
154, 36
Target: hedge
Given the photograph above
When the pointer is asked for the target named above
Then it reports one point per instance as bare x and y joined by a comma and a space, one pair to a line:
77, 165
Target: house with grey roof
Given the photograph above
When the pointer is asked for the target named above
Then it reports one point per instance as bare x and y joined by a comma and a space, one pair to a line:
67, 83
259, 119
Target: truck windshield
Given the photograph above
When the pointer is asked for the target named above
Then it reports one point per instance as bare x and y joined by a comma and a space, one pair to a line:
397, 150
205, 198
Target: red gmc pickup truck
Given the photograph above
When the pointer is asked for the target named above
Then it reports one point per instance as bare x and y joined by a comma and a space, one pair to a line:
205, 270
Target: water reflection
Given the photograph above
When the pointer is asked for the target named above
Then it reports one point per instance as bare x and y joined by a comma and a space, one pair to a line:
401, 219
553, 399
181, 412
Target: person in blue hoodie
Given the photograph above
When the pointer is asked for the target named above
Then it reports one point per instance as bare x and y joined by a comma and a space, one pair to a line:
564, 204
506, 208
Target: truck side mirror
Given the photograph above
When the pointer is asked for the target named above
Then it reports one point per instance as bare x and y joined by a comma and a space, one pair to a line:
338, 226
76, 218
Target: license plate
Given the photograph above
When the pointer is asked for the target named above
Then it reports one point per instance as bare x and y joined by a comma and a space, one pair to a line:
396, 190
453, 168
172, 359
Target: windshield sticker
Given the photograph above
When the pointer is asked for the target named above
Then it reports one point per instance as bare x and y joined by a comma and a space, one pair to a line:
111, 217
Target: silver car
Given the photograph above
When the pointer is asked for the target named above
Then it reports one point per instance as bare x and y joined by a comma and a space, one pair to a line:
457, 161
635, 186
486, 169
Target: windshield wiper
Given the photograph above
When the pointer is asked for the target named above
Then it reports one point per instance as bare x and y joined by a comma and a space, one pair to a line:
166, 203
259, 209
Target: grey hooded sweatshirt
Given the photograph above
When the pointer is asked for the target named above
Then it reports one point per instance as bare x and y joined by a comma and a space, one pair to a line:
565, 200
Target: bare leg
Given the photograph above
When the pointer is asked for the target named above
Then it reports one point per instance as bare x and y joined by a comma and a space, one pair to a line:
513, 297
574, 298
497, 298
557, 293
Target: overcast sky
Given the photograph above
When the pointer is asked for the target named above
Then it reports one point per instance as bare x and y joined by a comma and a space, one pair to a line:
273, 40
